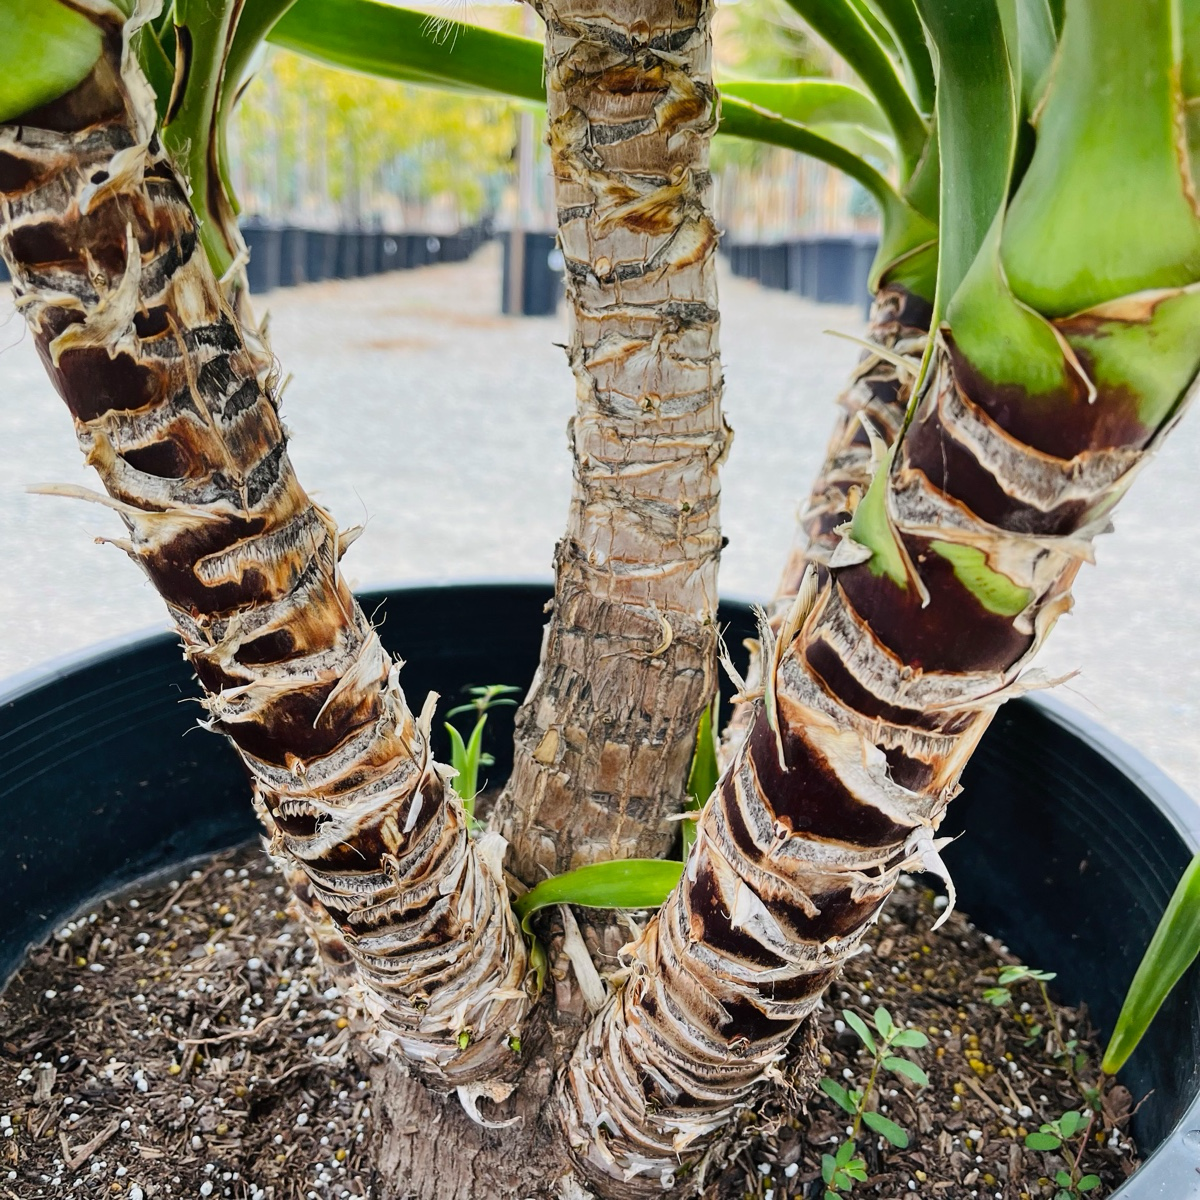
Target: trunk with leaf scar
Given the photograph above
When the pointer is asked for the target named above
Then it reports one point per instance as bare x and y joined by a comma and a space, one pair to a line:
879, 390
605, 738
179, 419
1068, 354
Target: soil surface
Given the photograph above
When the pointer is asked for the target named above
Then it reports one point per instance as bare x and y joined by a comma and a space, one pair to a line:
182, 1042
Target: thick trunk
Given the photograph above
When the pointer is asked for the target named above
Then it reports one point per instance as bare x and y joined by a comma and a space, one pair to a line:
172, 410
883, 683
605, 737
879, 389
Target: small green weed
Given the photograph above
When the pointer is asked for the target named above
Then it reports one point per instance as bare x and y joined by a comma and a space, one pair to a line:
1054, 1136
840, 1169
467, 757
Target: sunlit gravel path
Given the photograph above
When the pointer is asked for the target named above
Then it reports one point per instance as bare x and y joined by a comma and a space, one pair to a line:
416, 407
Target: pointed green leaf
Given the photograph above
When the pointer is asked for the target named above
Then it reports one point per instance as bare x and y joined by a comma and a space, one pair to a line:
884, 1022
860, 1027
1172, 949
398, 43
907, 1068
845, 1153
839, 1096
810, 101
628, 883
913, 1038
844, 29
905, 24
886, 1128
976, 127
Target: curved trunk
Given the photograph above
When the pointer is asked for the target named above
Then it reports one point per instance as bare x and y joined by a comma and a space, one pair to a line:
879, 689
173, 411
879, 389
605, 737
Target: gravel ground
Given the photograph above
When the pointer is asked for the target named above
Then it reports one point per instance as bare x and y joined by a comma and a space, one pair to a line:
417, 407
182, 1042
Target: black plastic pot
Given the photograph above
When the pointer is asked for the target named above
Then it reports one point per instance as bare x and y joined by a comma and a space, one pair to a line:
347, 254
368, 252
541, 269
320, 246
1073, 841
773, 265
293, 256
264, 243
391, 253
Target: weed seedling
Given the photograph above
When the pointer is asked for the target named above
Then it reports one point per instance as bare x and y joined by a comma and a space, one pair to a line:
840, 1169
467, 757
1054, 1135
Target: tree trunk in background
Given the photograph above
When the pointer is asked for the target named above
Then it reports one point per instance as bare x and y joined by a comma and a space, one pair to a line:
606, 735
880, 391
173, 411
881, 687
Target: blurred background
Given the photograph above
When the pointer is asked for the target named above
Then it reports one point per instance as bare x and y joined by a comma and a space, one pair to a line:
402, 248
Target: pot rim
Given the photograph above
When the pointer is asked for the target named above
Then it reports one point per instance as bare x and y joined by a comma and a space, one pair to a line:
1177, 1158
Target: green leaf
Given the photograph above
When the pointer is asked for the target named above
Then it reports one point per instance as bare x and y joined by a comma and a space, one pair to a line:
844, 1153
704, 772
976, 127
1172, 949
47, 49
842, 27
913, 1038
907, 1068
810, 101
902, 19
397, 43
999, 996
1087, 1183
1042, 1141
1108, 160
886, 1128
860, 1027
828, 1167
1070, 1123
1062, 1178
628, 883
1038, 43
839, 1096
856, 1168
994, 591
884, 1022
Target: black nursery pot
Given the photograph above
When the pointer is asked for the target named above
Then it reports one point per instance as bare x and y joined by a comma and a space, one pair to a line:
1072, 841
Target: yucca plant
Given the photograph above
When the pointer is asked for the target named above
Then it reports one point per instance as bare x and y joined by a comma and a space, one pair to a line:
1035, 339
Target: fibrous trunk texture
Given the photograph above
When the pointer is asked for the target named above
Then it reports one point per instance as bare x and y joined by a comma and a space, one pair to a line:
878, 391
879, 688
178, 418
605, 737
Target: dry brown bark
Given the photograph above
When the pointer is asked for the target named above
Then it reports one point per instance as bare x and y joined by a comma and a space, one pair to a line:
178, 415
875, 697
606, 734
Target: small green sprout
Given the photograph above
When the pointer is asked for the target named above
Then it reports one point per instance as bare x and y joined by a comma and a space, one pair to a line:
1000, 996
464, 1038
1053, 1136
839, 1169
467, 757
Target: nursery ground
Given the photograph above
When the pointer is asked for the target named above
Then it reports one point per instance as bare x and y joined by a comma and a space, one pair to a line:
181, 1042
417, 407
